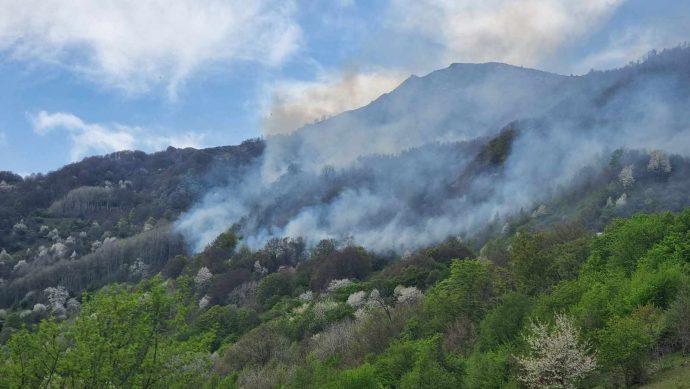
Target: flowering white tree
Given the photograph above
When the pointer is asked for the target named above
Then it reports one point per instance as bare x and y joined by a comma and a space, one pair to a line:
203, 277
307, 296
54, 235
557, 358
357, 299
203, 303
322, 308
39, 308
4, 256
621, 201
59, 249
337, 284
626, 177
20, 227
57, 296
138, 268
409, 295
659, 162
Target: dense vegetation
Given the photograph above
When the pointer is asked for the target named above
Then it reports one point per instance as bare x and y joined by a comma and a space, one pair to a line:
587, 286
567, 308
104, 219
99, 291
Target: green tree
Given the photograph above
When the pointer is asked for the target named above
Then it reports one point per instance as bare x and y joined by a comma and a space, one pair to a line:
33, 360
623, 346
361, 377
503, 323
123, 337
466, 293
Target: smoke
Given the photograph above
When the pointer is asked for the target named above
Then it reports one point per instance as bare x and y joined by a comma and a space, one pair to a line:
414, 166
295, 103
423, 35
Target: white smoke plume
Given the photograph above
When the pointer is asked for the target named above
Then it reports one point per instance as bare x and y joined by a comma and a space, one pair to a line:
401, 172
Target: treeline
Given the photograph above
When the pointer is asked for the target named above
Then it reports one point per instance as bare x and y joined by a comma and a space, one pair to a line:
559, 307
53, 225
114, 261
126, 184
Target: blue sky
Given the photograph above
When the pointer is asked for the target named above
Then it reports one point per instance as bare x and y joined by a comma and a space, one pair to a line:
81, 77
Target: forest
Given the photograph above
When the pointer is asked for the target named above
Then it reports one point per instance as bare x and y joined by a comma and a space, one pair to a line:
543, 246
558, 307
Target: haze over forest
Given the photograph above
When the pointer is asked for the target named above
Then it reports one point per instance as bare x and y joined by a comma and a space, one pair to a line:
294, 194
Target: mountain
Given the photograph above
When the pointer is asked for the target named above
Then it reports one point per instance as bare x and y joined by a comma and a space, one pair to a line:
473, 150
402, 173
467, 229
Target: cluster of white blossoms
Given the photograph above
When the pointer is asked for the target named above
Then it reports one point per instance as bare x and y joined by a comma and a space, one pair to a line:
626, 177
54, 235
321, 308
204, 301
621, 201
407, 295
59, 249
202, 277
57, 297
557, 357
5, 256
357, 299
363, 302
307, 296
20, 227
337, 284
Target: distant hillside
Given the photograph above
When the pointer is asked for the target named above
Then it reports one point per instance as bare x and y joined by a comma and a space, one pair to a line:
85, 224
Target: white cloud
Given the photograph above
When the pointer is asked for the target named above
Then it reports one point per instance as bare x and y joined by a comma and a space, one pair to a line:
521, 32
135, 45
295, 103
94, 138
517, 32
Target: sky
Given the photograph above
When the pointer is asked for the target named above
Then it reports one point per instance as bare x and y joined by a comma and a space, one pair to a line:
81, 78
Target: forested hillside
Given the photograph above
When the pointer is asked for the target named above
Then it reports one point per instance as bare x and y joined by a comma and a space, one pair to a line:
567, 308
103, 219
483, 226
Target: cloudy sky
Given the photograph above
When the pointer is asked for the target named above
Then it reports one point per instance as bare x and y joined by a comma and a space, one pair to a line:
85, 77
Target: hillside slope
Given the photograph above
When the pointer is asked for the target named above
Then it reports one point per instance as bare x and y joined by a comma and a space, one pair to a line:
397, 174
